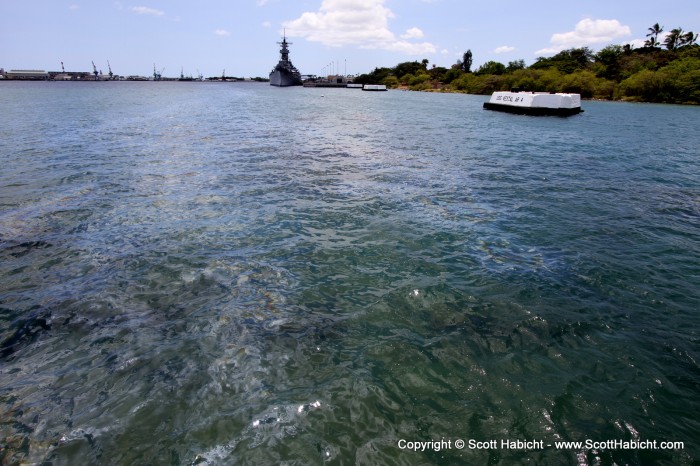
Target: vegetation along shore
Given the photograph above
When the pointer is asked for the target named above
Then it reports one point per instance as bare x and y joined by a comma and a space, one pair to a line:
667, 71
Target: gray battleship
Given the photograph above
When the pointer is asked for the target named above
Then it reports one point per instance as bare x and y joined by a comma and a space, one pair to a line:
284, 73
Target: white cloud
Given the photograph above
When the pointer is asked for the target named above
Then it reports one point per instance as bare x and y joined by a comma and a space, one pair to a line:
639, 43
261, 2
504, 49
587, 32
407, 48
266, 24
74, 7
363, 23
144, 10
222, 32
413, 33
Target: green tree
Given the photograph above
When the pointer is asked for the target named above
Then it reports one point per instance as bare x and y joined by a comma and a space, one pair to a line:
580, 82
647, 85
605, 89
451, 75
418, 79
491, 67
488, 84
609, 60
465, 64
376, 76
550, 80
406, 79
688, 87
566, 61
464, 82
409, 67
682, 79
515, 65
641, 59
525, 80
438, 73
392, 82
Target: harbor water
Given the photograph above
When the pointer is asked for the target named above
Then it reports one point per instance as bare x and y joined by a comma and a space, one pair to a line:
234, 273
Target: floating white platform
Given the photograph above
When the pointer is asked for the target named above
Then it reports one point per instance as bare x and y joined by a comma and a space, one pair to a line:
535, 103
374, 87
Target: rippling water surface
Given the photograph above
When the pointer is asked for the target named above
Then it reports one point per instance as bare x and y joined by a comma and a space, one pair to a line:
196, 273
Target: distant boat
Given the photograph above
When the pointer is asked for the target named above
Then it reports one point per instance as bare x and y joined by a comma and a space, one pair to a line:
284, 73
535, 103
374, 87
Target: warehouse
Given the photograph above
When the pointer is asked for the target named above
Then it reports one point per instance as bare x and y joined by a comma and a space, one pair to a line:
28, 75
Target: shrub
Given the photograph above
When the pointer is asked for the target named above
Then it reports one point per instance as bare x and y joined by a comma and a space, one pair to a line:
392, 82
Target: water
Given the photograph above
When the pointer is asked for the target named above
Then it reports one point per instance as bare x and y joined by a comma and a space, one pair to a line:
196, 273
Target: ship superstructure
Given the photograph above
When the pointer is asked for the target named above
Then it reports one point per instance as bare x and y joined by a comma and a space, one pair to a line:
284, 73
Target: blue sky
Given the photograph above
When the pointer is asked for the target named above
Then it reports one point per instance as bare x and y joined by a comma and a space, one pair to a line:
327, 35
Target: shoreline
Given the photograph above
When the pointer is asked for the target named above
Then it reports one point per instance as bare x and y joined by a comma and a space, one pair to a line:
442, 90
587, 99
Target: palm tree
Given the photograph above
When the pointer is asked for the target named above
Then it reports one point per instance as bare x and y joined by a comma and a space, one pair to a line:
688, 38
673, 39
654, 32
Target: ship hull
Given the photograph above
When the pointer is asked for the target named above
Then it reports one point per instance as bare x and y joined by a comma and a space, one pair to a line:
537, 111
281, 78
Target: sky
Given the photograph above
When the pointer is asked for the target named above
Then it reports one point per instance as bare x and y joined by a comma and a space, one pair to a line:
326, 36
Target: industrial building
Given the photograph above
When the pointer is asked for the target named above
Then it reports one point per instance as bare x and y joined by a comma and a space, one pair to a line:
41, 75
27, 75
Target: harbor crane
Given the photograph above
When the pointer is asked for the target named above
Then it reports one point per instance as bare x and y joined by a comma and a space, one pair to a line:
157, 76
111, 75
94, 70
63, 70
